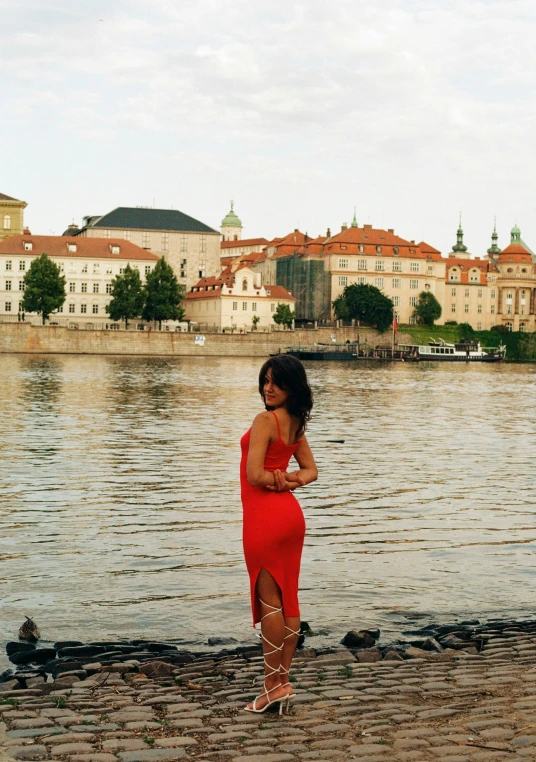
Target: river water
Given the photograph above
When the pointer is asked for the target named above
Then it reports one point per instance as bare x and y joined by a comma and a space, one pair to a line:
120, 510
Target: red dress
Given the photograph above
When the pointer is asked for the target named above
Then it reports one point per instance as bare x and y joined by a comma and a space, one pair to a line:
273, 528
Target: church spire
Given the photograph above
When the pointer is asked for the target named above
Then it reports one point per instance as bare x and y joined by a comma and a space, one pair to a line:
354, 221
494, 249
459, 245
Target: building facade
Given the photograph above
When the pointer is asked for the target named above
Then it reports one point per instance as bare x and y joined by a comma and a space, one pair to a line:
189, 246
88, 264
231, 226
11, 216
233, 299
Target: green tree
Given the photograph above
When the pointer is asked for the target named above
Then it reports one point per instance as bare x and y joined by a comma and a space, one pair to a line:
366, 304
428, 309
44, 287
340, 308
465, 330
163, 294
283, 315
255, 322
127, 296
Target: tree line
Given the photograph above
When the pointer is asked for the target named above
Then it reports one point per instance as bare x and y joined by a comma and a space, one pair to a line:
159, 298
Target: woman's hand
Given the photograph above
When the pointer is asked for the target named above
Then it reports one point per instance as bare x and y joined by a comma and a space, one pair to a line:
284, 481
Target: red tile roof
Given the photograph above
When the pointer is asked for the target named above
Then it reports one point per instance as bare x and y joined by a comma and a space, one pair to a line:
211, 287
89, 248
427, 249
515, 253
465, 265
243, 242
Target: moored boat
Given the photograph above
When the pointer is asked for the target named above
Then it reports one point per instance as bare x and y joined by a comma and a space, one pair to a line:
468, 350
339, 352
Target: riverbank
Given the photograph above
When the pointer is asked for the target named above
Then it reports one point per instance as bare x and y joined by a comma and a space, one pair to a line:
456, 705
520, 347
23, 338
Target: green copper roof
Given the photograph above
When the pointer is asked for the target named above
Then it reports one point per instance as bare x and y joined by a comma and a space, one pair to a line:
494, 248
354, 221
231, 220
459, 245
134, 218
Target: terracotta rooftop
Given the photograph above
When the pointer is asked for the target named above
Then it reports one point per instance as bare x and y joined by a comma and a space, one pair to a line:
243, 242
88, 248
515, 253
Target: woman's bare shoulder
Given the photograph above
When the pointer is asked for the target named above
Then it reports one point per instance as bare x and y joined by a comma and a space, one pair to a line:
264, 419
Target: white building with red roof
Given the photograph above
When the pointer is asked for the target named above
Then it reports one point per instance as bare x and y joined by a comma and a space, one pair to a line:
235, 300
88, 264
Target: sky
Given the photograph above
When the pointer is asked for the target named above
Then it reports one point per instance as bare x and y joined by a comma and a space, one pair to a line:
413, 111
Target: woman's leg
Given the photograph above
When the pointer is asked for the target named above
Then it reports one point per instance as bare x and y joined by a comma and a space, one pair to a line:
273, 634
292, 629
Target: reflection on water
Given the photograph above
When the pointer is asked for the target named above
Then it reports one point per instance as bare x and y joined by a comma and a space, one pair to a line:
121, 513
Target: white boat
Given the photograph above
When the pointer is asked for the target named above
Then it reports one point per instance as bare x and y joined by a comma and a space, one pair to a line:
468, 350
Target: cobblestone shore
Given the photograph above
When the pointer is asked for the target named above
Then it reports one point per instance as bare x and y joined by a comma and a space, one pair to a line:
451, 707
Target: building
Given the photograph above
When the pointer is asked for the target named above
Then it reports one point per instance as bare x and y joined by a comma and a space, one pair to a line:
233, 299
231, 226
239, 248
88, 264
515, 285
189, 246
11, 216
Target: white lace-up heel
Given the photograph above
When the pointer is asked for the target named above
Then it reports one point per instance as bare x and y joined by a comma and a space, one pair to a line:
274, 670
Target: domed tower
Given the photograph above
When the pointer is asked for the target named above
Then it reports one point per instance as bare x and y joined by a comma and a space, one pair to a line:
515, 235
494, 250
459, 248
231, 226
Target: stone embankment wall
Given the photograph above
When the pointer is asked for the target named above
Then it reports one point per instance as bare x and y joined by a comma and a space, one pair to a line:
23, 338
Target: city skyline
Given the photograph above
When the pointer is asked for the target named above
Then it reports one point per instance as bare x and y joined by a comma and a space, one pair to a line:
299, 112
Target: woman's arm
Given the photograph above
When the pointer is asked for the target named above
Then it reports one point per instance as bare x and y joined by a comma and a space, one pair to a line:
308, 472
261, 433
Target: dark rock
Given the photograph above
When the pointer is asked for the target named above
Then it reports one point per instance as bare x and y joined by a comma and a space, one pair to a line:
249, 650
7, 674
470, 623
222, 642
38, 656
158, 647
360, 639
416, 653
9, 686
182, 658
157, 668
15, 647
453, 641
82, 652
368, 655
392, 655
67, 644
65, 666
431, 644
305, 628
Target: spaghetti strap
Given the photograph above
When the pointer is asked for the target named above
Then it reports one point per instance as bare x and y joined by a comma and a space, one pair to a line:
277, 422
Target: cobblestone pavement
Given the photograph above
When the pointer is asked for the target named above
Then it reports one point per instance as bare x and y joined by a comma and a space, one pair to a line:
450, 707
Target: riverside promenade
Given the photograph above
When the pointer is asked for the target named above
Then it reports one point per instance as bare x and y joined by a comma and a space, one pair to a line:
454, 706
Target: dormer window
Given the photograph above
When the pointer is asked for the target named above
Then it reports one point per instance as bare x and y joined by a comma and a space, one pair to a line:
378, 249
395, 251
361, 248
245, 284
115, 249
71, 247
28, 245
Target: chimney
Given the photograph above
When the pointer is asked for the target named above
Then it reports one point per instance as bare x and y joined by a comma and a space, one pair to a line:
390, 230
367, 227
328, 233
344, 227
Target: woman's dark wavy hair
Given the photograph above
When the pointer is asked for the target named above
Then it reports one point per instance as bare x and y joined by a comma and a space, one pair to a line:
289, 374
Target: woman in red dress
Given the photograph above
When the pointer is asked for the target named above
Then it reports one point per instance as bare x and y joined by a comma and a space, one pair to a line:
274, 527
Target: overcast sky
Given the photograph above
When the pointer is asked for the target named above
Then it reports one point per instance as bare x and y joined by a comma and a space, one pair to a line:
411, 110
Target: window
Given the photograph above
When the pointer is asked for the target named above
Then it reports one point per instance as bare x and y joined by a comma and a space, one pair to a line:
466, 308
479, 326
493, 293
8, 285
492, 309
414, 267
466, 292
453, 275
108, 234
71, 247
480, 293
9, 264
453, 307
396, 301
22, 265
509, 326
453, 291
272, 307
60, 309
71, 308
474, 276
21, 285
121, 270
83, 308
95, 288
397, 267
397, 283
145, 240
253, 306
108, 288
343, 280
201, 273
343, 248
414, 283
378, 249
27, 246
508, 309
183, 268
431, 269
147, 269
7, 222
378, 282
95, 309
343, 264
479, 308
126, 235
84, 288
380, 264
362, 280
165, 242
184, 242
395, 251
84, 267
109, 270
115, 249
8, 306
244, 284
413, 301
522, 327
235, 306
203, 244
361, 264
62, 267
361, 248
244, 306
96, 268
